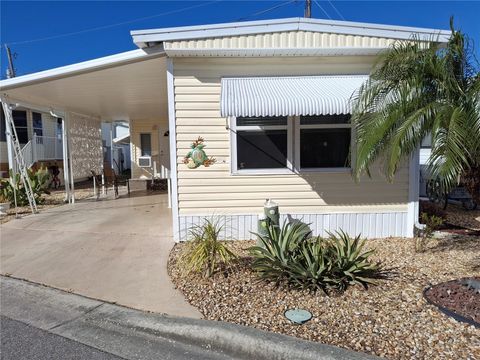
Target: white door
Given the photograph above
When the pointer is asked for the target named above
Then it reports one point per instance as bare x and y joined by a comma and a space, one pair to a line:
164, 151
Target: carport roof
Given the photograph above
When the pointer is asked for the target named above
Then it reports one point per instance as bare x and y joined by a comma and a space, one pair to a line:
118, 87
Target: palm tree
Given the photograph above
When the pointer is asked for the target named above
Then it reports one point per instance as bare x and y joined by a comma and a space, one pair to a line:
415, 89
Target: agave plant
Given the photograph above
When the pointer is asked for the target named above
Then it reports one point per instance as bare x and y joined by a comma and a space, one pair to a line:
272, 259
205, 252
291, 256
350, 265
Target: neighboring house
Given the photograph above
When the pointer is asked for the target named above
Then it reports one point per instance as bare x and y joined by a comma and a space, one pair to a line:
39, 134
116, 145
272, 101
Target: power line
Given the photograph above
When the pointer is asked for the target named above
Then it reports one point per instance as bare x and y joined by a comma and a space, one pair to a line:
266, 10
112, 25
321, 8
336, 10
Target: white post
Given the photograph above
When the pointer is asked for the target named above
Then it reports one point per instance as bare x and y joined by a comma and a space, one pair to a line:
66, 173
69, 147
111, 147
34, 148
8, 133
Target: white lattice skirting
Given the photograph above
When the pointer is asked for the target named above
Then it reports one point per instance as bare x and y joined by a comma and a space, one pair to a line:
369, 225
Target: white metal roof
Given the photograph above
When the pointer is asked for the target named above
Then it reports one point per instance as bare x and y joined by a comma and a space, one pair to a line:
145, 38
82, 67
289, 96
126, 86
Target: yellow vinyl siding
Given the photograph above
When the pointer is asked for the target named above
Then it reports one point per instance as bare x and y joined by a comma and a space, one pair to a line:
285, 39
216, 190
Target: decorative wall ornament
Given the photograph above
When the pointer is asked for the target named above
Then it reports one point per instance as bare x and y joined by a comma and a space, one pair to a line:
197, 155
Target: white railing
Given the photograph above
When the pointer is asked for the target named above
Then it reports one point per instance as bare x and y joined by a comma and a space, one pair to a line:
28, 154
41, 148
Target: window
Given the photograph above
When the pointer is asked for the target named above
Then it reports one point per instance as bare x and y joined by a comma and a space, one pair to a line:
324, 142
427, 142
261, 144
3, 127
20, 120
59, 130
146, 144
284, 144
37, 124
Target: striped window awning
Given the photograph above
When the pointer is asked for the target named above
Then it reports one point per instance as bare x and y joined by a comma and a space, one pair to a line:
289, 96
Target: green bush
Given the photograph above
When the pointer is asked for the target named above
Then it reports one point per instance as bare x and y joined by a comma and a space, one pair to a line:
432, 223
204, 253
290, 255
38, 181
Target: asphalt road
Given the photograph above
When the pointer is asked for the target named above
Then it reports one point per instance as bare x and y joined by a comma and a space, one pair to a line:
25, 342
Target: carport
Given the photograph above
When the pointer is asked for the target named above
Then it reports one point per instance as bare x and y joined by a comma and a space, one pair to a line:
130, 86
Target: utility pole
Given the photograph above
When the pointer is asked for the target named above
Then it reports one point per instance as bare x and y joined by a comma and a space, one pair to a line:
308, 9
11, 69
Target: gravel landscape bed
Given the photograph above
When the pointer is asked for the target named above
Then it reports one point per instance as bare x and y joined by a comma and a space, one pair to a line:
391, 319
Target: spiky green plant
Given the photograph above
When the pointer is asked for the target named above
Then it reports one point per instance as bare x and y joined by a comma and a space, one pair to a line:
291, 256
349, 263
415, 89
273, 258
204, 252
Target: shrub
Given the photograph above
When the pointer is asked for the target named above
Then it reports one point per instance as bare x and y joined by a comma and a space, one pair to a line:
432, 223
38, 181
291, 256
431, 209
204, 252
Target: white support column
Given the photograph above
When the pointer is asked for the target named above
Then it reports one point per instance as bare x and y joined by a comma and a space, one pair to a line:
8, 134
70, 153
66, 172
173, 150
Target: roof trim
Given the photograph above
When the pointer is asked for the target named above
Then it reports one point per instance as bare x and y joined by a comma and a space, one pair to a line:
82, 67
265, 52
143, 38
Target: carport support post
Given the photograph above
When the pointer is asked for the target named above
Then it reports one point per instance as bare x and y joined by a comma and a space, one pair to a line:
8, 133
69, 147
66, 172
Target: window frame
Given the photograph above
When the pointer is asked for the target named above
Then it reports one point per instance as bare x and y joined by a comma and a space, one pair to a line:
288, 169
141, 145
26, 127
34, 128
299, 127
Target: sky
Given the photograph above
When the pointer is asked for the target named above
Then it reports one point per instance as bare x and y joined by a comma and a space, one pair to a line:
47, 34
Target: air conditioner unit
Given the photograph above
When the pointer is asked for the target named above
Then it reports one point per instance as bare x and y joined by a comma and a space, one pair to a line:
145, 161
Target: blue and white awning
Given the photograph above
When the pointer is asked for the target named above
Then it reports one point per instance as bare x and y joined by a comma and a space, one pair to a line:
289, 96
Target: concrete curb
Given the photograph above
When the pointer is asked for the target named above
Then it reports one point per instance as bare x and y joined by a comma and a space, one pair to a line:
97, 324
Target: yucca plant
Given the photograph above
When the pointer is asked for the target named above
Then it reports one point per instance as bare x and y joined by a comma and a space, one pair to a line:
272, 258
291, 256
204, 252
350, 264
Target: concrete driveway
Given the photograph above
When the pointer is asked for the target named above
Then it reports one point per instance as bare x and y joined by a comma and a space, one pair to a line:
113, 250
